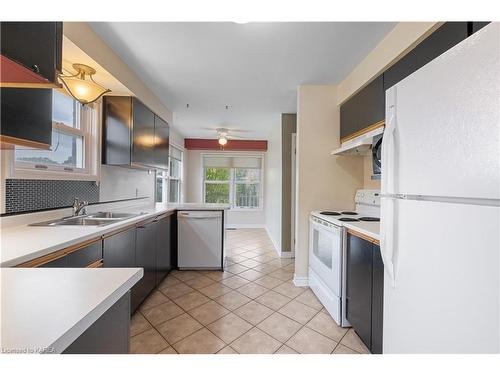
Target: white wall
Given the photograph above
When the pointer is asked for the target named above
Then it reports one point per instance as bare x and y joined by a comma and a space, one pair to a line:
323, 181
194, 191
272, 186
124, 183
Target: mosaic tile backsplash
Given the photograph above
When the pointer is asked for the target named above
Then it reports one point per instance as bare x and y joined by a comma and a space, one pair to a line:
30, 195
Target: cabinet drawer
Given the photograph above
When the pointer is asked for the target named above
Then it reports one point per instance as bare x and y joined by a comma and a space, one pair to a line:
56, 263
85, 256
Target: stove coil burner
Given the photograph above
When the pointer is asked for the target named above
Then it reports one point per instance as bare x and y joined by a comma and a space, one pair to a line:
369, 218
349, 213
348, 219
330, 213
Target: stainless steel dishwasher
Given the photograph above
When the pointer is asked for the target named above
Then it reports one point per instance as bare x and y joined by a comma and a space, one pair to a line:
200, 240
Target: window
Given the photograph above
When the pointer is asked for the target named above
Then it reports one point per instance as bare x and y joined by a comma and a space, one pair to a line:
168, 184
73, 146
235, 180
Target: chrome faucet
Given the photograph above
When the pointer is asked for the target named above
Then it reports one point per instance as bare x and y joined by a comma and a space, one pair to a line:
79, 208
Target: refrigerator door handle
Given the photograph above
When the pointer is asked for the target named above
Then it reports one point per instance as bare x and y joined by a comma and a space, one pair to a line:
388, 187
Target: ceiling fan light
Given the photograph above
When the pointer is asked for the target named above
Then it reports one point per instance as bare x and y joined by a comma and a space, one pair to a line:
81, 86
222, 141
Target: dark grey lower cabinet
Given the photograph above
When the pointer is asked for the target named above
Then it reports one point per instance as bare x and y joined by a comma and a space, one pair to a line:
145, 257
365, 291
359, 287
377, 300
109, 334
163, 248
119, 249
80, 258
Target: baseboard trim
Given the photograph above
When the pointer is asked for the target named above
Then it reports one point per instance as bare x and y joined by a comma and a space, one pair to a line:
300, 281
245, 226
281, 254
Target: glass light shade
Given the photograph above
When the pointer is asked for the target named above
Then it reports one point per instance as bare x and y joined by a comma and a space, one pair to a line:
222, 141
81, 86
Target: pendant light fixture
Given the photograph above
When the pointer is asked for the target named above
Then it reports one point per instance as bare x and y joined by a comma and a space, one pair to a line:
82, 86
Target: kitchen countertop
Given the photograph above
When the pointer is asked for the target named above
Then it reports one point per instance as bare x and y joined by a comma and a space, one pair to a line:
368, 228
22, 243
46, 309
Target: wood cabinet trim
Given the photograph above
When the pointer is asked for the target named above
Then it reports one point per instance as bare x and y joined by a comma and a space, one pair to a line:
363, 131
96, 264
363, 236
11, 141
118, 231
40, 261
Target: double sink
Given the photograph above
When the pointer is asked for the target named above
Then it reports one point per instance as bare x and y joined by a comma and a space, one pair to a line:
97, 219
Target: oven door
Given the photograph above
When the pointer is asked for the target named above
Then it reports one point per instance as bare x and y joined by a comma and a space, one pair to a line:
325, 253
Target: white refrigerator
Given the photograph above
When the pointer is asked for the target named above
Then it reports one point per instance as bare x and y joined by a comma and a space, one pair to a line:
440, 212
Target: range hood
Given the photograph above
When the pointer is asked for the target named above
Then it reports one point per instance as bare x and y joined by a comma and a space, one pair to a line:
360, 145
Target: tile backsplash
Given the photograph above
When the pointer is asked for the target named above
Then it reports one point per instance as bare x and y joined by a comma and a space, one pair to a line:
31, 195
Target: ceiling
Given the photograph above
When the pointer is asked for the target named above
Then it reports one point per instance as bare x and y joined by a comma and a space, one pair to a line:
253, 68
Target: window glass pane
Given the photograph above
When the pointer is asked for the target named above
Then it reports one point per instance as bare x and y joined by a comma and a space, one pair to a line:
173, 191
242, 174
64, 109
175, 168
66, 150
159, 189
247, 195
216, 193
217, 174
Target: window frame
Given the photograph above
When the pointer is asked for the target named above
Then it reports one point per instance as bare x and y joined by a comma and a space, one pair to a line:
88, 128
165, 176
232, 182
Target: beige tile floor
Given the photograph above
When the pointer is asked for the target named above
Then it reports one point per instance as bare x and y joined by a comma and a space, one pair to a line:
253, 307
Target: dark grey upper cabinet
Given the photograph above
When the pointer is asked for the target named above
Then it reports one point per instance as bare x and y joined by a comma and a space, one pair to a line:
143, 134
444, 38
133, 135
26, 115
364, 109
34, 45
116, 140
162, 137
119, 249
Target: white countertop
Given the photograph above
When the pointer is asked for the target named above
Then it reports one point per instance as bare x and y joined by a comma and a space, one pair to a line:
368, 228
46, 309
21, 243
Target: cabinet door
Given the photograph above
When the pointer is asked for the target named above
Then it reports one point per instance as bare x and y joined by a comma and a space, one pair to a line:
143, 134
56, 263
377, 301
85, 256
476, 26
116, 139
349, 117
359, 286
36, 45
163, 248
26, 114
447, 36
145, 257
371, 103
119, 249
162, 133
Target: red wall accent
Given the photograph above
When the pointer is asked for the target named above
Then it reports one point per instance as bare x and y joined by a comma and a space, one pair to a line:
12, 72
232, 145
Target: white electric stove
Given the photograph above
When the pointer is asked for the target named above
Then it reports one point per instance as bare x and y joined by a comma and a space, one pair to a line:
327, 250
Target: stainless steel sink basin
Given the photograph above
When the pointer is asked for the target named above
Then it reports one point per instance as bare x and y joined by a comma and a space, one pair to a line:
111, 215
98, 219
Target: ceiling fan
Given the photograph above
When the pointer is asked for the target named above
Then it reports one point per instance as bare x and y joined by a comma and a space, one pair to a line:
223, 135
